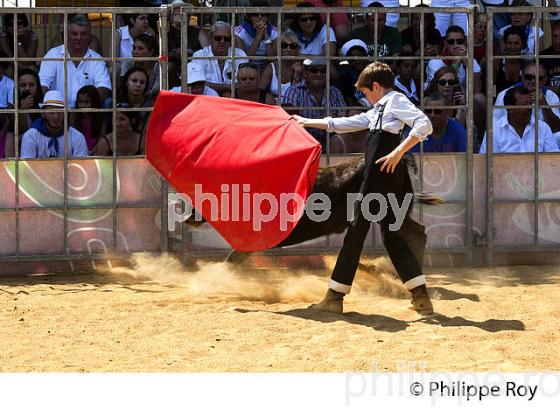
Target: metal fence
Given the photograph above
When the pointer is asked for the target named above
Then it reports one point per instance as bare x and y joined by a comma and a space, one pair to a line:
170, 242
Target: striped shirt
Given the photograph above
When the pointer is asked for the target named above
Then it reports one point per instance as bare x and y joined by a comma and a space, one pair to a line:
299, 95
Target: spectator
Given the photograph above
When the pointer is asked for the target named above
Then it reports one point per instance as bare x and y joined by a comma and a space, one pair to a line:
196, 81
80, 73
27, 42
349, 72
90, 124
312, 92
136, 24
6, 84
456, 46
433, 44
447, 135
481, 42
45, 138
94, 42
339, 21
545, 95
500, 20
523, 21
145, 46
30, 96
411, 35
288, 72
405, 81
312, 33
7, 147
446, 20
392, 18
129, 139
134, 90
196, 40
220, 72
552, 65
389, 41
515, 131
445, 82
508, 71
256, 34
247, 87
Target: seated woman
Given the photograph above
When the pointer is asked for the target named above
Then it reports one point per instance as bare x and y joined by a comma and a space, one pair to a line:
90, 124
134, 91
406, 80
136, 24
145, 45
447, 135
312, 33
446, 83
27, 42
128, 136
289, 72
30, 95
247, 87
256, 34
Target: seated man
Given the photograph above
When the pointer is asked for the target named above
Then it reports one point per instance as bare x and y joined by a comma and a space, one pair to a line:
312, 92
552, 65
545, 95
45, 138
448, 135
523, 21
219, 73
80, 73
196, 81
389, 42
515, 131
6, 84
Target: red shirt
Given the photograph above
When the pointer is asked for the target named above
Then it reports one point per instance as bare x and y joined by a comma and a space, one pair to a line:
337, 19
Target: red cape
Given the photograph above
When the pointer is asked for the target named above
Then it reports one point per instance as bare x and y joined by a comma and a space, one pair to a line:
213, 141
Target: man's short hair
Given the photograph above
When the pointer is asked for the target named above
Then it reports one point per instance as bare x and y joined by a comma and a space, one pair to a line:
516, 31
455, 29
377, 72
511, 95
79, 20
218, 25
437, 97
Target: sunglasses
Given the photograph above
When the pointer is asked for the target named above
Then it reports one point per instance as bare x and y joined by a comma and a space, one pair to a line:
306, 19
436, 111
222, 39
315, 70
530, 77
292, 46
443, 83
458, 41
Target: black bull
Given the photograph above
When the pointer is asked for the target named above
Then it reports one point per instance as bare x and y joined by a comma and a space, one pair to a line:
336, 182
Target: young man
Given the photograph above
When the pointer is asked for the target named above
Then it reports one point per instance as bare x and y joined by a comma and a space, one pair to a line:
387, 175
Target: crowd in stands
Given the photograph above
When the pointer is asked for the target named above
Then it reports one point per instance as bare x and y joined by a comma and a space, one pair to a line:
306, 66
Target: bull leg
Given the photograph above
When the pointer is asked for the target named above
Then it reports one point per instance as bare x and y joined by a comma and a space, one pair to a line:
236, 257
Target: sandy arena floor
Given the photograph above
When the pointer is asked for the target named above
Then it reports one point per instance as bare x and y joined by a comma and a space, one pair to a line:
158, 317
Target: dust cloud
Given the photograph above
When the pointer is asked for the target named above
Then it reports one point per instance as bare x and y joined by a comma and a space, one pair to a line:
274, 285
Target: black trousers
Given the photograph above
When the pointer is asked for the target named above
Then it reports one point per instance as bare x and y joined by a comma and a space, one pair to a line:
406, 245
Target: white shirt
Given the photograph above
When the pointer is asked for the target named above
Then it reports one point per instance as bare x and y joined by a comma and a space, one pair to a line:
549, 95
212, 68
125, 48
398, 112
531, 38
248, 40
87, 73
6, 92
402, 88
506, 139
315, 47
435, 65
207, 91
36, 145
274, 84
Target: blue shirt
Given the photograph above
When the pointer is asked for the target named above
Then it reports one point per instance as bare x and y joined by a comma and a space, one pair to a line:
453, 140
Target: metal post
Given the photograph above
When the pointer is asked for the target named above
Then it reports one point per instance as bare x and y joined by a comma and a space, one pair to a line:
489, 142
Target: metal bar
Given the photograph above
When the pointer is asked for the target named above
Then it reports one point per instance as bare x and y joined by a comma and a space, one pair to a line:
164, 186
537, 114
114, 179
489, 141
66, 132
470, 143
